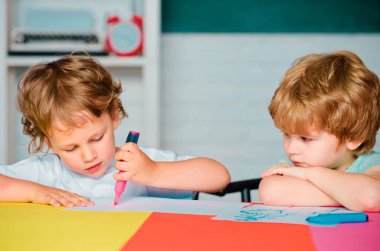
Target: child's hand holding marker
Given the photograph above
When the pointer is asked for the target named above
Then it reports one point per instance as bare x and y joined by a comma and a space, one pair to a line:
132, 139
133, 163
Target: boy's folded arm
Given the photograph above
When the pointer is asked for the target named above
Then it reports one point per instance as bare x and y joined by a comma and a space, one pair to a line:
355, 191
290, 191
324, 187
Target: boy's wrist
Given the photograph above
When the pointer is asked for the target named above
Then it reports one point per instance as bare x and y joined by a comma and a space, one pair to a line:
33, 190
152, 176
312, 172
153, 173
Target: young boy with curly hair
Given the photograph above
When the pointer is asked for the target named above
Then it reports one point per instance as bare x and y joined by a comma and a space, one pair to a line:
72, 106
328, 109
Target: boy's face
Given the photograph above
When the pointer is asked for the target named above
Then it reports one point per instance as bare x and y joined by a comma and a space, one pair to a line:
318, 149
87, 148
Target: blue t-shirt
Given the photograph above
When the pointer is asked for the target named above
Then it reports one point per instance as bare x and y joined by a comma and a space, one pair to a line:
51, 171
360, 164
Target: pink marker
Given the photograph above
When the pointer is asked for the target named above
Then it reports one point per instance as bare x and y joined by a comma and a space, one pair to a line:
121, 184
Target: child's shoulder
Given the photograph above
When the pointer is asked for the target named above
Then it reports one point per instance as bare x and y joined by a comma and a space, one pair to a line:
372, 156
38, 163
48, 158
365, 161
34, 168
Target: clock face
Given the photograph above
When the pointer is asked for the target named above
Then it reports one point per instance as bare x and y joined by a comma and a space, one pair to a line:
125, 37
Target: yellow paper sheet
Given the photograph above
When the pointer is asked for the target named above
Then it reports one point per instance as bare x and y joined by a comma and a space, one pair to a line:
26, 226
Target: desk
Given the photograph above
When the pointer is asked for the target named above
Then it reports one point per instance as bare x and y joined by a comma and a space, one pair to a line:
25, 226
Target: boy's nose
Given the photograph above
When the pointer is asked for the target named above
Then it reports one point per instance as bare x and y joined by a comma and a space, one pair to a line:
88, 154
291, 147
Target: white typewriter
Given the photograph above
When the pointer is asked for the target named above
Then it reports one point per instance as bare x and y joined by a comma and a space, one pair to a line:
49, 31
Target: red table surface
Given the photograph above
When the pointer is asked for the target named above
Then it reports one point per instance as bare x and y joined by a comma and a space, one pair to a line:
182, 232
162, 231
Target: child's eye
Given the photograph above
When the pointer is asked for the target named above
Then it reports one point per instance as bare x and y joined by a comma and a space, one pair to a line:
71, 150
306, 139
98, 139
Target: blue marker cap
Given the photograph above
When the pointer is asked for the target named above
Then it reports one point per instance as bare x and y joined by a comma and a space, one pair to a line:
333, 219
133, 137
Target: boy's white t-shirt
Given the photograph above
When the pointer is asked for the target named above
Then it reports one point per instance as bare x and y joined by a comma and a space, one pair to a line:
51, 171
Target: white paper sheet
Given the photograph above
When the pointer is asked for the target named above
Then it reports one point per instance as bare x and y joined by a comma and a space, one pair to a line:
262, 213
218, 210
162, 205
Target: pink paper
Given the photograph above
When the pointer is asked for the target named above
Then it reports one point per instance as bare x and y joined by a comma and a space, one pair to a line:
349, 236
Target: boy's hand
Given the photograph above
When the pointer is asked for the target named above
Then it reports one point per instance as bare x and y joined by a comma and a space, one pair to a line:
286, 170
57, 197
134, 163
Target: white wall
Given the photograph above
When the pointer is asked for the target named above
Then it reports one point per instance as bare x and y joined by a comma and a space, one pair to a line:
216, 88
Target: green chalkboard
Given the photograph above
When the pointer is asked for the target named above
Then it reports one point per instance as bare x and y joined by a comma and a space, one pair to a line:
342, 16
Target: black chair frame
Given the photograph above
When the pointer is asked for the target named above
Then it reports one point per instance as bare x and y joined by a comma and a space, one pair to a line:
243, 186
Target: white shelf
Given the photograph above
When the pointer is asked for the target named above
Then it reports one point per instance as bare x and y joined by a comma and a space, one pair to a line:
108, 61
149, 75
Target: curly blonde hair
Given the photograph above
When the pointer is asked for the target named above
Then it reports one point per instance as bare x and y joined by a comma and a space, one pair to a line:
61, 88
334, 92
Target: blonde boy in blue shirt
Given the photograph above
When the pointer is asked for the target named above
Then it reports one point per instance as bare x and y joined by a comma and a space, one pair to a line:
328, 108
72, 105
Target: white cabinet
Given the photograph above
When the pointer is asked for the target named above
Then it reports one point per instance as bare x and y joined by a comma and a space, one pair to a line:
141, 71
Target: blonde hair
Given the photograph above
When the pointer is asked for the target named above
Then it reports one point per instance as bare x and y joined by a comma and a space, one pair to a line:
61, 88
334, 92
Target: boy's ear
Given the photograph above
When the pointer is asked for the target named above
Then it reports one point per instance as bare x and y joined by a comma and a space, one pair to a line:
353, 144
47, 142
115, 120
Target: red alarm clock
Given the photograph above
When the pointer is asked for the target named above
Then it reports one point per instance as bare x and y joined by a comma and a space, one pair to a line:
124, 37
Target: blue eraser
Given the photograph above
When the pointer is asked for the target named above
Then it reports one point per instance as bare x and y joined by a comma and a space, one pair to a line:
332, 219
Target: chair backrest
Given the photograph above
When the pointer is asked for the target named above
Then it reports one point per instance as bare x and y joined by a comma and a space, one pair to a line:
242, 186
